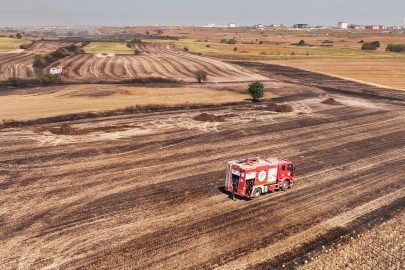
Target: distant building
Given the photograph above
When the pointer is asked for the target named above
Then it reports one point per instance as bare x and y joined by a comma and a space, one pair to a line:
376, 27
210, 25
354, 26
301, 25
342, 25
259, 25
231, 25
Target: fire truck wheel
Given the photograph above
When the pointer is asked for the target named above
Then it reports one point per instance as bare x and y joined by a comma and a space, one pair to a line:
257, 192
285, 186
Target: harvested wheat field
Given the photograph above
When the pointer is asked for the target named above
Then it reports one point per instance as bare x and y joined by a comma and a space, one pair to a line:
47, 46
144, 190
155, 60
16, 65
384, 72
33, 103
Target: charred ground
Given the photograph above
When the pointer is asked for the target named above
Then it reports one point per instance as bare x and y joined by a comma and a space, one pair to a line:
149, 194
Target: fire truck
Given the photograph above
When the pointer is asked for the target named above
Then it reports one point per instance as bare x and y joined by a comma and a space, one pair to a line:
252, 177
60, 70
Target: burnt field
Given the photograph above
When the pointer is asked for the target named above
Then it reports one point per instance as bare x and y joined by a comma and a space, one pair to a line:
145, 191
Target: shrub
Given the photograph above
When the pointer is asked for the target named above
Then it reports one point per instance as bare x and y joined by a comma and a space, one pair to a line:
256, 90
208, 46
49, 58
301, 43
79, 51
200, 75
39, 61
185, 49
293, 53
361, 41
328, 41
71, 48
50, 78
235, 49
232, 41
375, 44
24, 46
137, 52
11, 36
395, 47
224, 41
260, 42
18, 36
368, 46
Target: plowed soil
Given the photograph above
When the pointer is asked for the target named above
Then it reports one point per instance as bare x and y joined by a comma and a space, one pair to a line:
150, 196
155, 60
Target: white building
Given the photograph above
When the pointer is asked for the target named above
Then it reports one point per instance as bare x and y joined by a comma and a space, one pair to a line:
231, 25
342, 25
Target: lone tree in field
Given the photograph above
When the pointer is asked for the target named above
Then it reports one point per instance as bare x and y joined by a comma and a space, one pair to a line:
256, 90
200, 75
147, 33
18, 36
235, 49
301, 43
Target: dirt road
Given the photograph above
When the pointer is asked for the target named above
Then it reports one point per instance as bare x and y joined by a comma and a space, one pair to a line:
150, 195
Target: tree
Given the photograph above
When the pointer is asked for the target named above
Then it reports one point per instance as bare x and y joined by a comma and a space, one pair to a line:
235, 49
147, 33
200, 75
256, 90
18, 36
301, 43
185, 49
160, 32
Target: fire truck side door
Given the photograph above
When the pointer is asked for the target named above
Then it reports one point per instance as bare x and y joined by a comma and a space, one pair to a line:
281, 171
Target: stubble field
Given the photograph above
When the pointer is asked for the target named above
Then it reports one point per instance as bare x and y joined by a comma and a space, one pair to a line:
147, 192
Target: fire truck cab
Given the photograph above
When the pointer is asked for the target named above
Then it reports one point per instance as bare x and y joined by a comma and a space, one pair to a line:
252, 177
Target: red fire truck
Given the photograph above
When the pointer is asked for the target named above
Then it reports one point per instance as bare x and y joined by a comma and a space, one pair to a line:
252, 177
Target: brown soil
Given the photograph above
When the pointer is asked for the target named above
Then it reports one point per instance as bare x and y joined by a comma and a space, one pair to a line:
279, 108
331, 101
66, 129
206, 117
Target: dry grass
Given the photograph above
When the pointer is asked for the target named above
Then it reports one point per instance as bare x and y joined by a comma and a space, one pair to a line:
384, 72
379, 248
11, 44
108, 47
61, 100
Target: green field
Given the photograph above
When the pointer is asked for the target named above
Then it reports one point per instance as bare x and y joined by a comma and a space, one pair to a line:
7, 44
276, 52
108, 47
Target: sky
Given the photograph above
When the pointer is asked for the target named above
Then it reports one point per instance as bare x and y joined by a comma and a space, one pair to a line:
186, 12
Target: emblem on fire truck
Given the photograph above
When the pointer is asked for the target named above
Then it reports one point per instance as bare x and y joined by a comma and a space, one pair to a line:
262, 176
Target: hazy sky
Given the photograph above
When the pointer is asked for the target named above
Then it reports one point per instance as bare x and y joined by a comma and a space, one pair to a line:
183, 12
